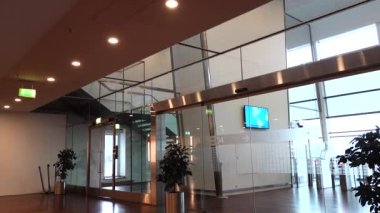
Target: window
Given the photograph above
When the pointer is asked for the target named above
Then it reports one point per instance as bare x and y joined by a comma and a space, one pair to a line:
108, 155
351, 103
347, 42
302, 100
299, 55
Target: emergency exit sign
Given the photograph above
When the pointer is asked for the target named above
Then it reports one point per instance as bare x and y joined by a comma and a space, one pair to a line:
27, 93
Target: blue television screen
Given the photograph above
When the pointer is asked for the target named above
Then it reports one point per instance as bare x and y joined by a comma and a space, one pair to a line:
256, 117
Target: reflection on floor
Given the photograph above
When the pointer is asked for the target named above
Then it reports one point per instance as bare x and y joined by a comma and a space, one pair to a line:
67, 204
300, 200
135, 187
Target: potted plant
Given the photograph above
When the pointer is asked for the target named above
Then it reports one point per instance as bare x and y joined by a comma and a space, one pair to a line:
65, 163
173, 169
365, 150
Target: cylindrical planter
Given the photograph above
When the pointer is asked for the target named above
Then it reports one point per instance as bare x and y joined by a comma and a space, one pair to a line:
175, 202
59, 188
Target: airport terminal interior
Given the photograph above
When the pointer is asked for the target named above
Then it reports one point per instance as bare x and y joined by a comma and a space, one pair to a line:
265, 95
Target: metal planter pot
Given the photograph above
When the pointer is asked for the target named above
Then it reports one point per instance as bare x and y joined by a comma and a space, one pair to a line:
59, 188
175, 202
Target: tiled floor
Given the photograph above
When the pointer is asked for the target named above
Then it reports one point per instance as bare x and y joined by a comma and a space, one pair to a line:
300, 200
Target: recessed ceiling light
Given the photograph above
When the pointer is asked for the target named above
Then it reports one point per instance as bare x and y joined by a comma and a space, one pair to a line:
171, 4
6, 106
130, 115
18, 99
50, 79
113, 40
76, 63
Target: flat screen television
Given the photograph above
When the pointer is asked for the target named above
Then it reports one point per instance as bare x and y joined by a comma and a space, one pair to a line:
256, 117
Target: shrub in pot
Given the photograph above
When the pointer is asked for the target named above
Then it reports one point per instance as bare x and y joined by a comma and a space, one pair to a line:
173, 169
65, 163
365, 150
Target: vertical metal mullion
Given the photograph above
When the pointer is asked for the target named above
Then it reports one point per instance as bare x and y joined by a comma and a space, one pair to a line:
211, 119
114, 158
88, 161
141, 149
320, 90
123, 93
131, 151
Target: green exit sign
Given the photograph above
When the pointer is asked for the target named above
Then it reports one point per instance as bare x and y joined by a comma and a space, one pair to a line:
27, 93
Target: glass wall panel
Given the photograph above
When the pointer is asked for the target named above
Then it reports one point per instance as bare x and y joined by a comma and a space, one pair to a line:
232, 158
254, 24
94, 89
108, 104
265, 56
183, 54
302, 93
134, 73
307, 10
299, 55
191, 124
253, 167
76, 139
226, 68
139, 132
303, 110
127, 103
247, 165
352, 84
346, 42
189, 79
162, 88
354, 104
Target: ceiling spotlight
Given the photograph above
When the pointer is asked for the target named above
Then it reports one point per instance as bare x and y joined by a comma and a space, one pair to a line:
18, 99
171, 4
75, 63
6, 106
113, 40
50, 79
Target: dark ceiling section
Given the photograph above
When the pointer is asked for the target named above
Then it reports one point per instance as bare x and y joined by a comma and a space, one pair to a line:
87, 108
78, 102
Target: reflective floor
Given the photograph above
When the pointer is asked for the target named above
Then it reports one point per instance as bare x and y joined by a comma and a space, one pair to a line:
66, 204
300, 200
135, 187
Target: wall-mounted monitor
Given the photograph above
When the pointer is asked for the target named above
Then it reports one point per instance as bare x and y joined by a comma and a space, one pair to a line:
256, 117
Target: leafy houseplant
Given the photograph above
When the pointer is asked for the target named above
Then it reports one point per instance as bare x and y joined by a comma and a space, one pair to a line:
365, 150
174, 167
65, 163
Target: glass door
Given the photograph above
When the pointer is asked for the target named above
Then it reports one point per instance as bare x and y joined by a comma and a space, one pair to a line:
119, 163
96, 153
104, 163
110, 158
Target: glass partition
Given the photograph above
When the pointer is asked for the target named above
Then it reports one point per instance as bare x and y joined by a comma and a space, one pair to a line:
76, 139
236, 168
285, 167
139, 131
